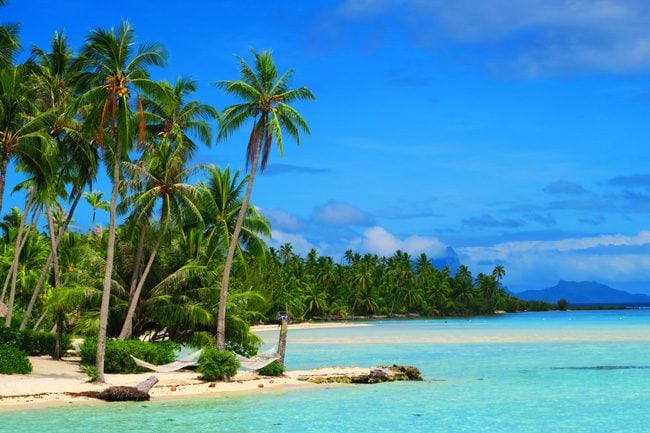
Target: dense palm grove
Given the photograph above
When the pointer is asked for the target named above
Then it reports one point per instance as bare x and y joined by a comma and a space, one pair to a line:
182, 240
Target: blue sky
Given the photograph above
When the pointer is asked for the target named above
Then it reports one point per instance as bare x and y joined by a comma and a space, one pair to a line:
515, 132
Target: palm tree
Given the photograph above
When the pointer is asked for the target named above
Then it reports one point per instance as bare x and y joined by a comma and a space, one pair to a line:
75, 160
221, 202
266, 98
9, 44
23, 128
159, 177
171, 117
95, 200
111, 68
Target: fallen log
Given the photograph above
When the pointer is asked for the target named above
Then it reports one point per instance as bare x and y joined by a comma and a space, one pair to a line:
140, 392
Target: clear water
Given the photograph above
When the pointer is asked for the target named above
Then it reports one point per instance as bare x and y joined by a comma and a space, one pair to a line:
533, 372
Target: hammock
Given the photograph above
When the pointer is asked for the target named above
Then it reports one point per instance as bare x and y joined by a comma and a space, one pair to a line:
188, 361
258, 361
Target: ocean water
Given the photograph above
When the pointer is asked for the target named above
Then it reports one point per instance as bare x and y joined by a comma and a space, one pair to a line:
532, 372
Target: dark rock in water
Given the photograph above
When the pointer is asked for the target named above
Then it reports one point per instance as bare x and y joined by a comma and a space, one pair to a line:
375, 375
606, 367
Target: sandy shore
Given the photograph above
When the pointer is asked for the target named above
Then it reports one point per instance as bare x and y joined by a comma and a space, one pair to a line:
308, 325
50, 380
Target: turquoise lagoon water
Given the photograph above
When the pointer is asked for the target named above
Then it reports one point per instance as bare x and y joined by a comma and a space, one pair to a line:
532, 372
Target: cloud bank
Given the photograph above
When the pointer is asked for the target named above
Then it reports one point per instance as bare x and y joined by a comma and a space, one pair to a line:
524, 37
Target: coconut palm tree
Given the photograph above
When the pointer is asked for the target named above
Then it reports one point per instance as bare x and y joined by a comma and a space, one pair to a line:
159, 179
266, 99
96, 201
9, 44
221, 202
111, 68
23, 127
171, 117
75, 160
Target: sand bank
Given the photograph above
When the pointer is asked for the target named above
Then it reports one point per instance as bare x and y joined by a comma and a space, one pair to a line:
51, 380
310, 325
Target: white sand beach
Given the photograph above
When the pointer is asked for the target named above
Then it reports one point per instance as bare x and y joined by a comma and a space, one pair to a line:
50, 380
311, 325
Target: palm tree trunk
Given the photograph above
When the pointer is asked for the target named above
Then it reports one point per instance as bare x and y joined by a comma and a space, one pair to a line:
138, 260
48, 263
3, 178
127, 328
58, 349
14, 264
53, 246
23, 241
5, 286
225, 280
108, 272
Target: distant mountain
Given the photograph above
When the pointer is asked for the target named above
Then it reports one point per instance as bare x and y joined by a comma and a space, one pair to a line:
583, 292
449, 259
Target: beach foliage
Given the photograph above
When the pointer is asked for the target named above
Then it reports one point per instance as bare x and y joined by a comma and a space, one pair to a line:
119, 352
273, 369
11, 337
217, 364
14, 361
37, 343
91, 372
34, 343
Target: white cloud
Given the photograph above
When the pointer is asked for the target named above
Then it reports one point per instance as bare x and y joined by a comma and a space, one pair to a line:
379, 241
300, 245
539, 264
340, 214
504, 250
283, 220
530, 37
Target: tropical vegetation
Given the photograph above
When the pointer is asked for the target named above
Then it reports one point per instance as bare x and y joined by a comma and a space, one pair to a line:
185, 256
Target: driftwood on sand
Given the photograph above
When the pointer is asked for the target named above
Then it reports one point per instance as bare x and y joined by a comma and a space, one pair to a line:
140, 392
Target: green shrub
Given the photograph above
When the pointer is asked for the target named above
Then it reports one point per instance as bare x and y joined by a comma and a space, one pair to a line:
37, 343
117, 358
34, 343
11, 337
216, 365
273, 369
91, 372
13, 360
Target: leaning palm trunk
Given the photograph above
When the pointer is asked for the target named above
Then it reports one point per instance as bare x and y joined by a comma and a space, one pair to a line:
14, 264
23, 241
127, 328
234, 240
53, 246
138, 261
51, 258
108, 273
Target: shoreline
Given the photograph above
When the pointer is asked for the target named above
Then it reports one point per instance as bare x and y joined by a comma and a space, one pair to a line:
50, 382
311, 325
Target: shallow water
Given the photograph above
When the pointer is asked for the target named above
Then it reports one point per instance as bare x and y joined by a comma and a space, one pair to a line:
533, 372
